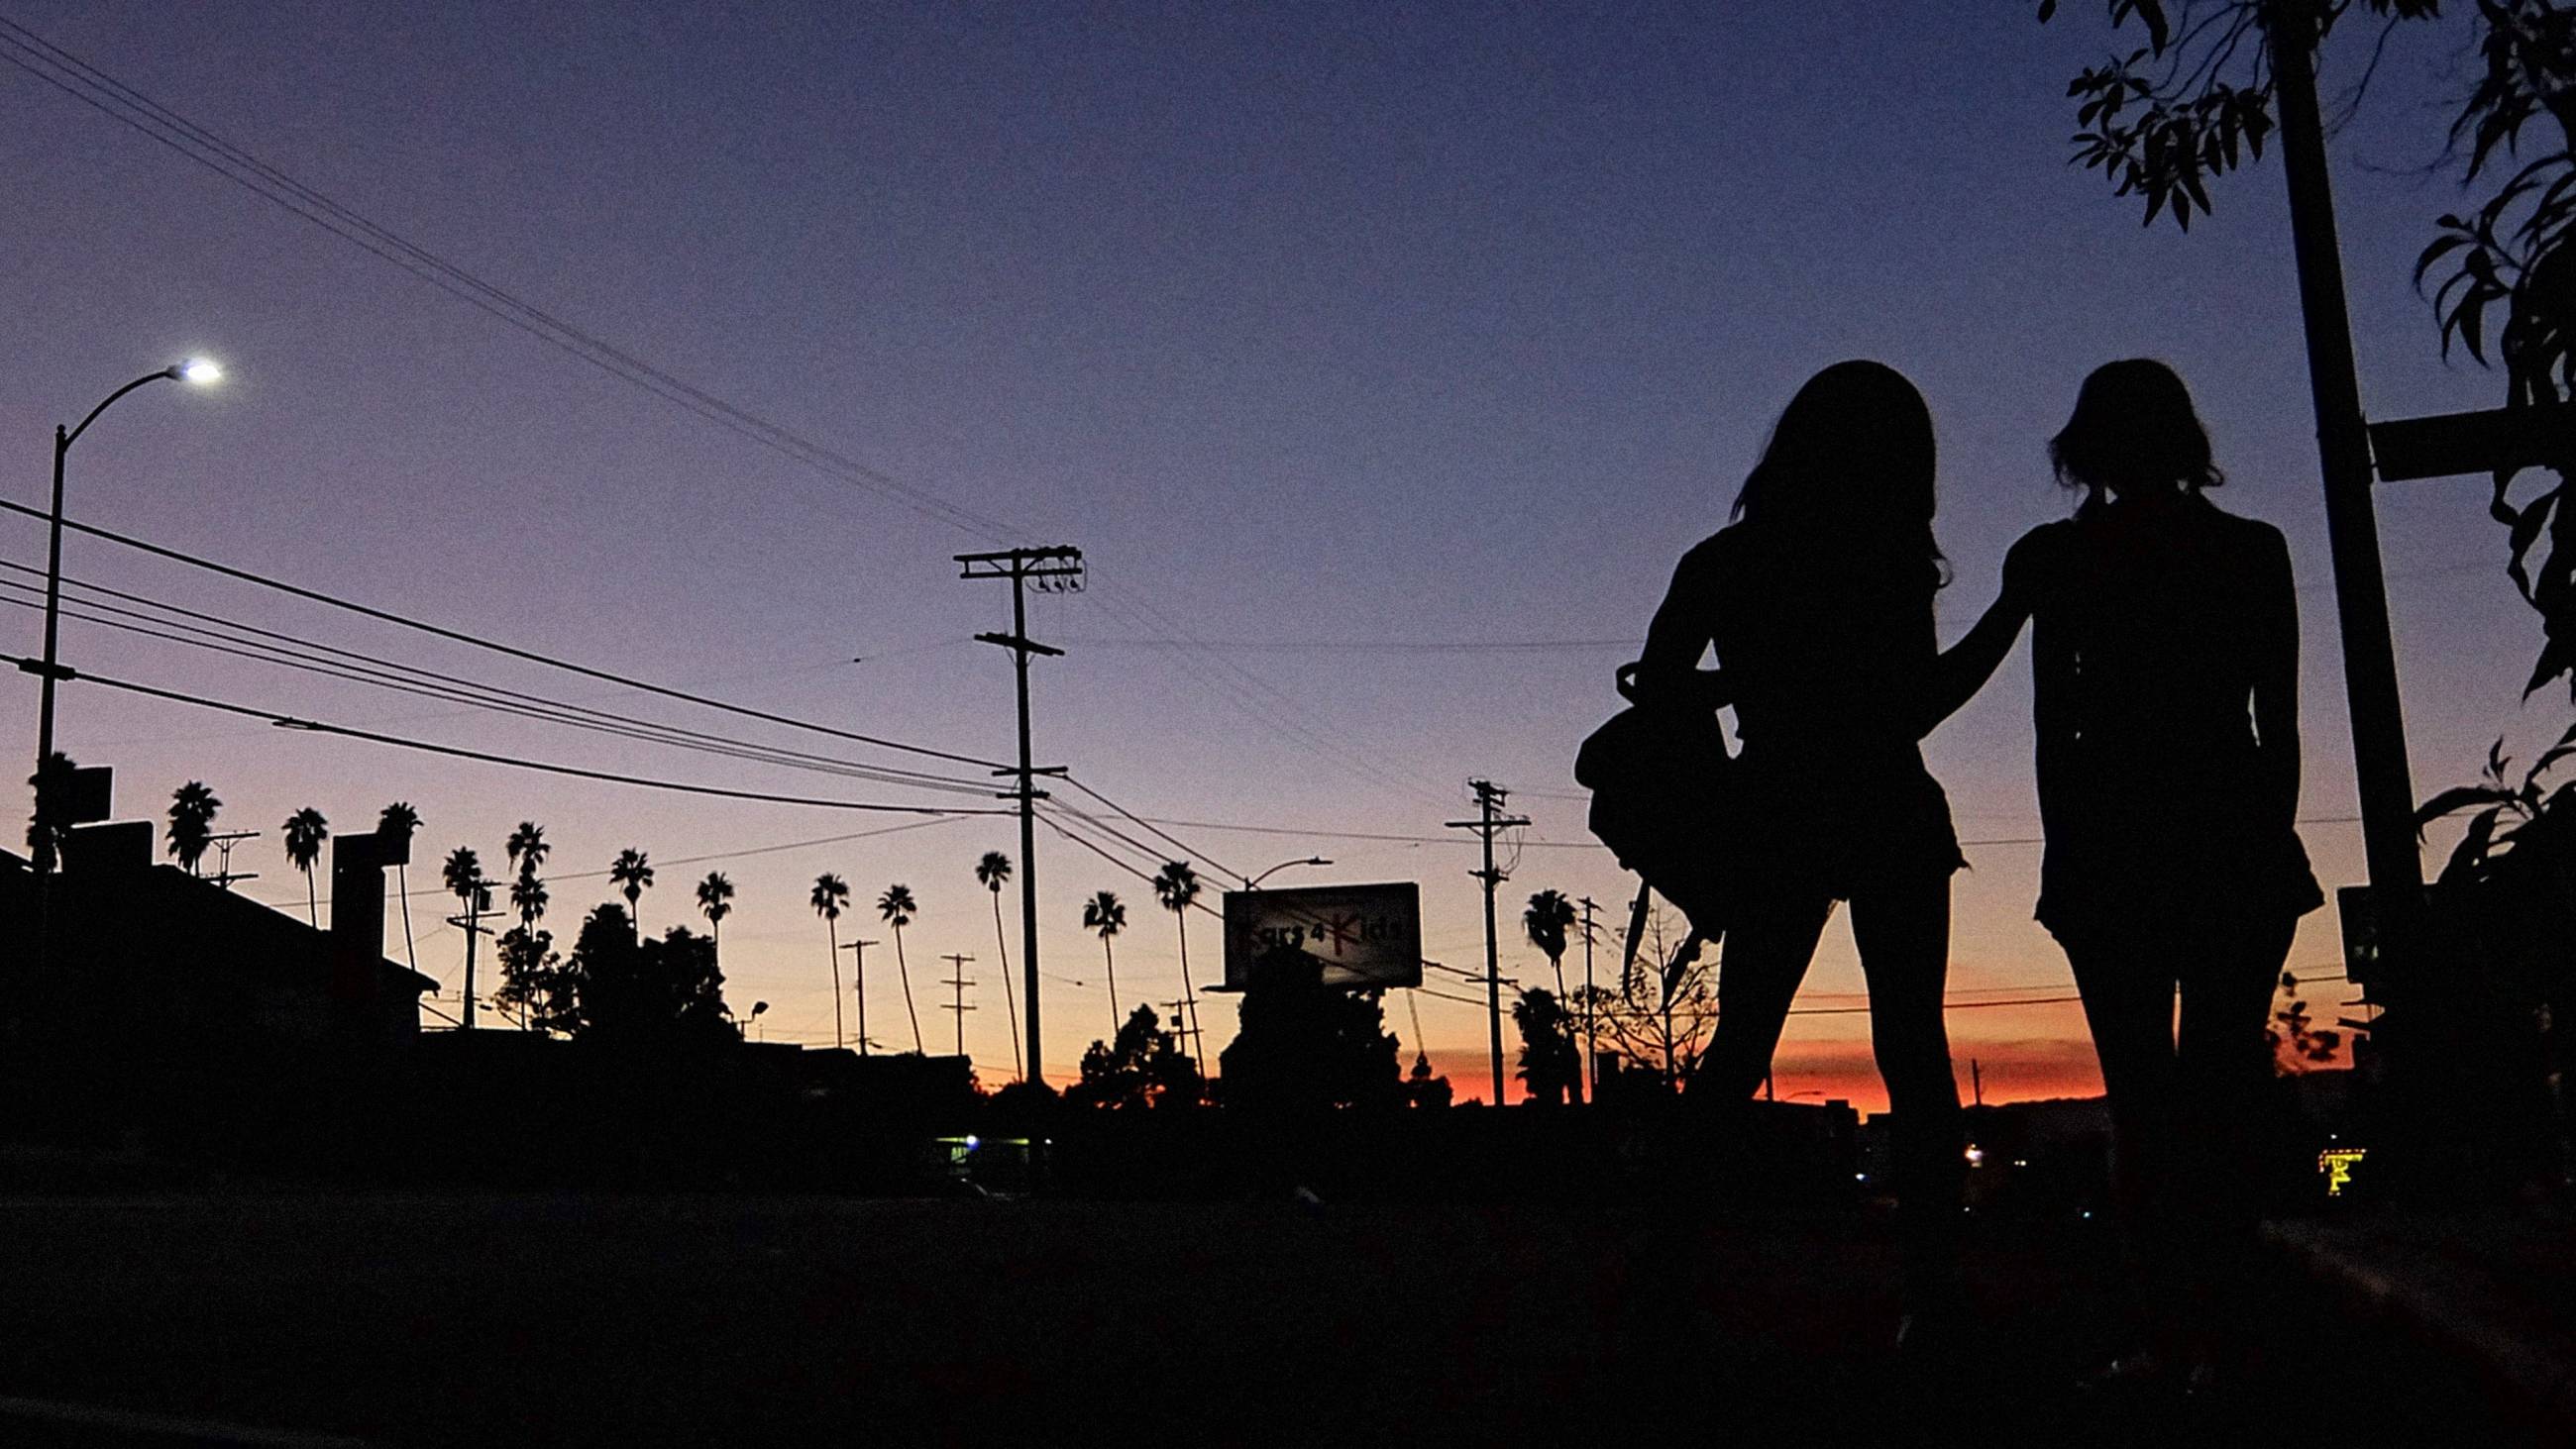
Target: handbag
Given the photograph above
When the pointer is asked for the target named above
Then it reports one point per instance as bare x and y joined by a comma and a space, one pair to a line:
1659, 773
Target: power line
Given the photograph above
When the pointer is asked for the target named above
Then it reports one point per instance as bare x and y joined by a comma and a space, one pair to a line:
494, 646
412, 679
130, 107
747, 753
1186, 849
124, 104
1058, 827
459, 752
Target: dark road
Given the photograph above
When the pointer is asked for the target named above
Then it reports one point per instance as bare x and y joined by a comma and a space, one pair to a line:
416, 1320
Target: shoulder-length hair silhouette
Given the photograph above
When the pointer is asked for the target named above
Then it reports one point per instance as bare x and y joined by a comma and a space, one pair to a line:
2165, 706
2133, 427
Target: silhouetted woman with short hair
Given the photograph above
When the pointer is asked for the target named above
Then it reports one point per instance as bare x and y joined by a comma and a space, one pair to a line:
2165, 652
1818, 600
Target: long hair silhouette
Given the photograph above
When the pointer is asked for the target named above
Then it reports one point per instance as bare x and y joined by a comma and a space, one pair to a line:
1852, 455
1818, 602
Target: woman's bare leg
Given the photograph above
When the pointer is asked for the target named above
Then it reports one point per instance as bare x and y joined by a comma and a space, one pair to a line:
1903, 931
1766, 956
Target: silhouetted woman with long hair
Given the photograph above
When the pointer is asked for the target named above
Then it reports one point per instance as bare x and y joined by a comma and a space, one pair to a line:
2165, 653
1818, 600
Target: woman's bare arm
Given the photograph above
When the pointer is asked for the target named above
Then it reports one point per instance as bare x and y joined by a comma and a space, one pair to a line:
1676, 640
1963, 668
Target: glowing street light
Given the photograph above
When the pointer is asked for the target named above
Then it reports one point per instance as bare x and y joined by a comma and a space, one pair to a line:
196, 370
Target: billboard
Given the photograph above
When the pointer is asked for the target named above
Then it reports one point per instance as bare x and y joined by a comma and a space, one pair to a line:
1361, 935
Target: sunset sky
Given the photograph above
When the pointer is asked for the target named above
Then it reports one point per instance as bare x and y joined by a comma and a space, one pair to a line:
1381, 360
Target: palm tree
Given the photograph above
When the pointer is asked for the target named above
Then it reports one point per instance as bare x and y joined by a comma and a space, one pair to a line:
398, 821
463, 875
1106, 914
830, 894
631, 872
527, 847
1549, 917
897, 907
528, 897
992, 872
305, 830
715, 902
1176, 885
192, 823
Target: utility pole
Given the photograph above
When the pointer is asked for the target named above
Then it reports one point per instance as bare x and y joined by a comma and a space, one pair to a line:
1054, 569
957, 984
858, 950
471, 923
1591, 1029
1486, 825
223, 845
2352, 528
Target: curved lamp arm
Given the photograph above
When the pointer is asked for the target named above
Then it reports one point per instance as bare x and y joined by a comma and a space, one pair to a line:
167, 374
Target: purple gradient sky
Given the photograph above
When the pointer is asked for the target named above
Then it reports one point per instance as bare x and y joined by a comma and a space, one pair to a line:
1316, 325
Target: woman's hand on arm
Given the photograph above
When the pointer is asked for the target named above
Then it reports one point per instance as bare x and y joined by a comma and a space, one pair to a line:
1964, 667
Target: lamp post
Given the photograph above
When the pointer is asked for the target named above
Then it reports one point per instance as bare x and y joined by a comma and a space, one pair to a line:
1253, 883
195, 370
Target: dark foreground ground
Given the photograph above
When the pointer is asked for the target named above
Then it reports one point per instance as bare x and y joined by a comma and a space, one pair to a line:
431, 1320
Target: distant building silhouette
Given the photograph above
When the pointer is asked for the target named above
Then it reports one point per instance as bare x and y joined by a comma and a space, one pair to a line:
169, 1012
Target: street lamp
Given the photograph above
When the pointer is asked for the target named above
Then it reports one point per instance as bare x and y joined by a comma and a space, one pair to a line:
1254, 882
195, 370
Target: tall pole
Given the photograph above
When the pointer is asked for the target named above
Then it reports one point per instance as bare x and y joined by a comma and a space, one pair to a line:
471, 923
1028, 817
53, 617
2352, 528
858, 950
1058, 567
1487, 824
1591, 1029
63, 440
957, 984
